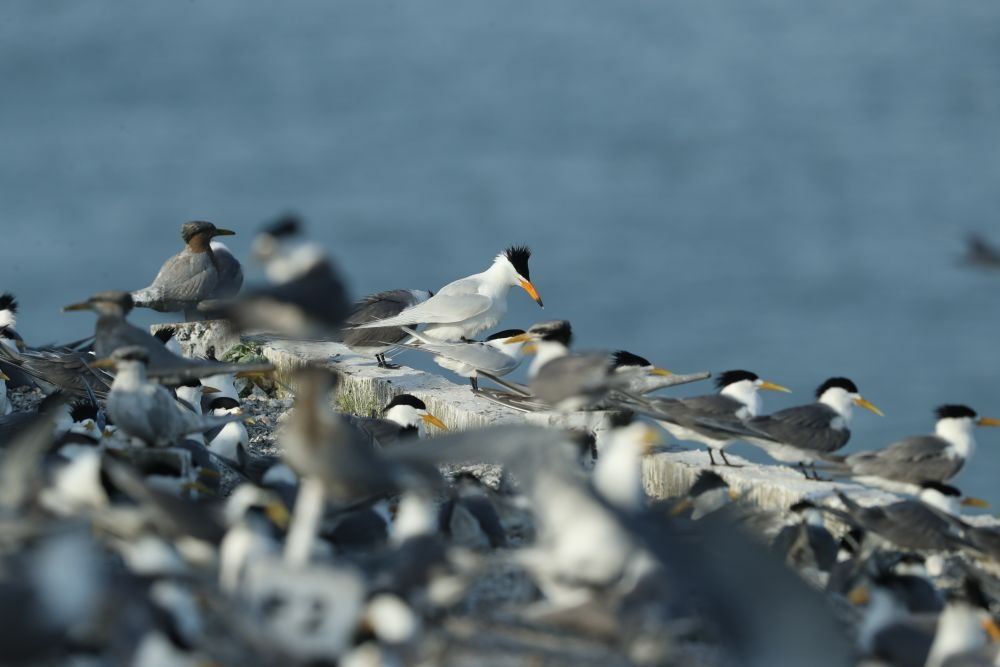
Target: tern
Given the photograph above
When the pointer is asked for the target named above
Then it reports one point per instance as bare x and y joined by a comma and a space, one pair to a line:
405, 416
715, 420
802, 433
565, 381
644, 377
467, 306
114, 331
930, 522
924, 458
193, 275
307, 297
146, 410
494, 357
379, 306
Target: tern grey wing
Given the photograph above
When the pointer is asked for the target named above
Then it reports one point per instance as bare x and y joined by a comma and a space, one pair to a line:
230, 272
183, 280
914, 460
66, 370
312, 305
480, 356
439, 309
806, 427
376, 431
378, 306
686, 411
909, 524
576, 375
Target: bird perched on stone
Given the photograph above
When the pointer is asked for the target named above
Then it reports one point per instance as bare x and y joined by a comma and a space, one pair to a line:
307, 297
146, 410
114, 331
202, 270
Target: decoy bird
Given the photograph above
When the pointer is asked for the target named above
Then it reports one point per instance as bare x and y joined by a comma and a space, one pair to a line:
193, 275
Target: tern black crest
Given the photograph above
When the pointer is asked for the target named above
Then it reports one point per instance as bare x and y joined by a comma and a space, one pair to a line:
955, 412
405, 399
83, 410
943, 489
518, 256
707, 481
286, 225
727, 378
123, 299
623, 358
554, 330
843, 383
620, 418
8, 302
506, 333
191, 229
223, 403
165, 334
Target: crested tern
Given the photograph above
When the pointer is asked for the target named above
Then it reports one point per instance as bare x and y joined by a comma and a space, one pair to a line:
493, 357
802, 433
929, 522
463, 308
379, 306
113, 331
568, 381
715, 420
925, 458
403, 417
146, 410
307, 297
192, 275
229, 440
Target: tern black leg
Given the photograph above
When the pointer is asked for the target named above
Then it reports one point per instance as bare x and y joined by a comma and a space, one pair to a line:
731, 465
475, 385
802, 469
382, 363
513, 386
711, 457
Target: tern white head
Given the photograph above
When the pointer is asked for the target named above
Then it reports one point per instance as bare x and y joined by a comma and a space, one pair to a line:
411, 413
802, 433
925, 458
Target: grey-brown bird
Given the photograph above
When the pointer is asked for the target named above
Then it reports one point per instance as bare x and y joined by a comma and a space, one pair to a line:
194, 274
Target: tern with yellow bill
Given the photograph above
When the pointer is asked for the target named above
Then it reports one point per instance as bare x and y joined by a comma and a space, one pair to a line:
924, 458
715, 420
146, 410
467, 306
801, 434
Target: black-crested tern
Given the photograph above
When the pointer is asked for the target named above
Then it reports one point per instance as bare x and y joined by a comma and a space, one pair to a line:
467, 306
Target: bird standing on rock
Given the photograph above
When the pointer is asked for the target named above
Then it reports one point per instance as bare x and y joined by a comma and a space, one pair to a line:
201, 271
379, 306
146, 410
803, 433
467, 306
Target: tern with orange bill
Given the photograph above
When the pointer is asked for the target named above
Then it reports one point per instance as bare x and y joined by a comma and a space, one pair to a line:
463, 308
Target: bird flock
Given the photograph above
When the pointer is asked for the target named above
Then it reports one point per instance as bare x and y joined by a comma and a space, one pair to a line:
142, 526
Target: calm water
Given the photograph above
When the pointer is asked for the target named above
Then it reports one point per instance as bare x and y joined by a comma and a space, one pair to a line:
731, 183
